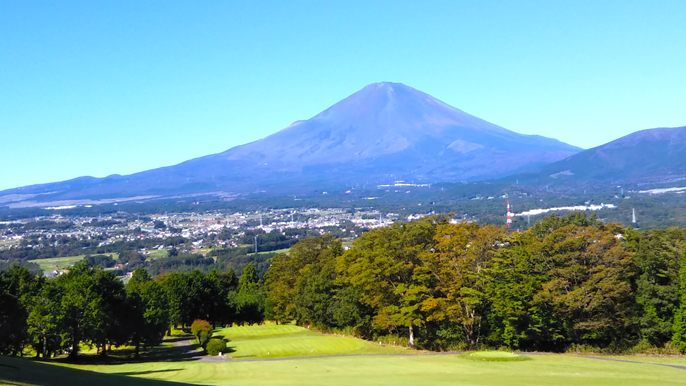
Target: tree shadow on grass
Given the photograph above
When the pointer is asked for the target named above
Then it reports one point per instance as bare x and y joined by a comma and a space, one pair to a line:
164, 353
22, 371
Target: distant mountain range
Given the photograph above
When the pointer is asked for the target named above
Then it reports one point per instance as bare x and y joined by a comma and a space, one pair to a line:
646, 157
384, 132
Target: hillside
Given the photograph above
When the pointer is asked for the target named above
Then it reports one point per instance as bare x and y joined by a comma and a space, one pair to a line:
644, 158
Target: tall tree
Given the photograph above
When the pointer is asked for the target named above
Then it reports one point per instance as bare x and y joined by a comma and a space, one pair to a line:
462, 254
177, 288
249, 300
111, 320
17, 287
657, 257
590, 283
45, 320
285, 281
679, 326
80, 305
149, 318
387, 266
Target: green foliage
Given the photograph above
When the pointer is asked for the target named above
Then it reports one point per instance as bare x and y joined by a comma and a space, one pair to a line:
301, 284
566, 281
388, 266
657, 257
148, 305
215, 346
679, 326
249, 281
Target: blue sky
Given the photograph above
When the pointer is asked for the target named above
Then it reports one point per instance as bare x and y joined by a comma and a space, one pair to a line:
97, 88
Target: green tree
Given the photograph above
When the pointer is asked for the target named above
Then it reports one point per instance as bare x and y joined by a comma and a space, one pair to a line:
149, 310
657, 257
249, 280
462, 254
111, 318
17, 287
45, 320
388, 268
80, 305
249, 300
679, 326
589, 289
299, 284
515, 279
177, 288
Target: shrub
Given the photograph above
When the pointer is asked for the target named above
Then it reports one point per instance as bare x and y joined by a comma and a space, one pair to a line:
215, 346
202, 330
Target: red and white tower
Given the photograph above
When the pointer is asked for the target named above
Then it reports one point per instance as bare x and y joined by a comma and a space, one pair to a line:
509, 214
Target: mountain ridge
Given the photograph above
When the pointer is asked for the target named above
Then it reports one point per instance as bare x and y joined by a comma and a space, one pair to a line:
645, 157
383, 131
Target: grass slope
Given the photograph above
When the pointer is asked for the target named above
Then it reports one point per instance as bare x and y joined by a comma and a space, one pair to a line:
273, 341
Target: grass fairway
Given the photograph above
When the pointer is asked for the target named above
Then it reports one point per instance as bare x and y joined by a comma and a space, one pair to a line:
495, 356
49, 265
409, 370
381, 366
278, 341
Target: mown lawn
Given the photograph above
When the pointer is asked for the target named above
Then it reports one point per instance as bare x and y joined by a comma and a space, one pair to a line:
409, 370
382, 366
273, 341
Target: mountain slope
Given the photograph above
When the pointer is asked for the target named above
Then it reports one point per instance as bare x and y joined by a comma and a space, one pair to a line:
652, 156
383, 132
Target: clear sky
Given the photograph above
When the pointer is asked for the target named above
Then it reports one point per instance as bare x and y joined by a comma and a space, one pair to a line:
97, 88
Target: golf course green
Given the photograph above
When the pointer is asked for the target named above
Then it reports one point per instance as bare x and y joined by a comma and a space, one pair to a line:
342, 361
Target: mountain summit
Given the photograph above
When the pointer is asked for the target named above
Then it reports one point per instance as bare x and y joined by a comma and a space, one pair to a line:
386, 119
383, 132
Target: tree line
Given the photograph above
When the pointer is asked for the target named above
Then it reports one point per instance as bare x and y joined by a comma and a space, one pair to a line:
565, 283
91, 306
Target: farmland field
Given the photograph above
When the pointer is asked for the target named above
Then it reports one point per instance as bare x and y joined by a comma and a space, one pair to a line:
354, 362
49, 265
158, 254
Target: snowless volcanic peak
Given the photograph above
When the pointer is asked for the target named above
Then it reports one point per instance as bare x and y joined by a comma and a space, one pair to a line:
381, 119
384, 131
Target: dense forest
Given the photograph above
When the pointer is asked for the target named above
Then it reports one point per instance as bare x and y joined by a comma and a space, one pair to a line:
566, 283
92, 307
